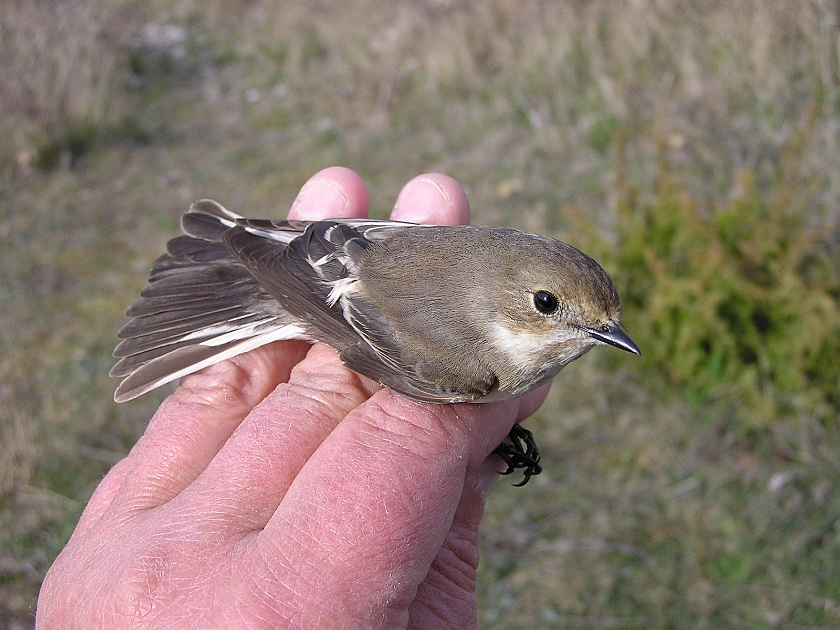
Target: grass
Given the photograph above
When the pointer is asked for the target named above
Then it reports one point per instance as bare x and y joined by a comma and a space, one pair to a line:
669, 500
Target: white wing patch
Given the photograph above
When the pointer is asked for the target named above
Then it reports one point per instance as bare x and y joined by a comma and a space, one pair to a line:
339, 289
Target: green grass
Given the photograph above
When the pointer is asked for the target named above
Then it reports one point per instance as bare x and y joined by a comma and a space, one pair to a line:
692, 148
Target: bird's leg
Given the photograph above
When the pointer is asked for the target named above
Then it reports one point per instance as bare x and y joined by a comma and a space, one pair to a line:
520, 450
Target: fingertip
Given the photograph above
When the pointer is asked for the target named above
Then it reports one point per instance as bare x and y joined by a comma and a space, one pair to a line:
332, 193
432, 198
487, 474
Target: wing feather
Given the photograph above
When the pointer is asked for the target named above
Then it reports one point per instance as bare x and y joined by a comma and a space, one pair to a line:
229, 284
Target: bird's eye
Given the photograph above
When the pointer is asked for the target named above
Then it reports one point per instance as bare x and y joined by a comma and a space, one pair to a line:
545, 302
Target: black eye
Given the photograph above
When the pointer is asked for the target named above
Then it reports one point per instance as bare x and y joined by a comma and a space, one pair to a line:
545, 302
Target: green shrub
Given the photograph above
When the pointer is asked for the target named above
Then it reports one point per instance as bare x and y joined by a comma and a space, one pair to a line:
741, 299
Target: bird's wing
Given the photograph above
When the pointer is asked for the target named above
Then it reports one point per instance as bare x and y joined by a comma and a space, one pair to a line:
382, 358
231, 284
312, 276
301, 271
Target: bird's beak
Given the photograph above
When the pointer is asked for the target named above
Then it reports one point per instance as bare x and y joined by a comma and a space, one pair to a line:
614, 336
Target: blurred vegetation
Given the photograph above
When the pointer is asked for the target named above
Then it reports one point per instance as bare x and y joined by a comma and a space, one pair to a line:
738, 300
693, 148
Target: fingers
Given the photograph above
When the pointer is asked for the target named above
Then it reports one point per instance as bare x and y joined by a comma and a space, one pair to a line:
335, 476
192, 425
333, 193
394, 497
249, 477
446, 597
378, 499
432, 198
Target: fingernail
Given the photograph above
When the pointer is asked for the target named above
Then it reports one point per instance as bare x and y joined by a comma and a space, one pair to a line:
319, 199
421, 201
487, 475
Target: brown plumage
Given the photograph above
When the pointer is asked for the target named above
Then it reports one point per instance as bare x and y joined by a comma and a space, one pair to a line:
437, 313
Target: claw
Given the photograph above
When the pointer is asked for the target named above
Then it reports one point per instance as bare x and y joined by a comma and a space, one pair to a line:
520, 451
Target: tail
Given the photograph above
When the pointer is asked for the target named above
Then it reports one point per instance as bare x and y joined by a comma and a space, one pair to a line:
201, 306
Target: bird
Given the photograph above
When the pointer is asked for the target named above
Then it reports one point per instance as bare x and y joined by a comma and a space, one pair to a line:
439, 314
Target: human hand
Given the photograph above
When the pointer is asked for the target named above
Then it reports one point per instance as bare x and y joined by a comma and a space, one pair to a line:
280, 489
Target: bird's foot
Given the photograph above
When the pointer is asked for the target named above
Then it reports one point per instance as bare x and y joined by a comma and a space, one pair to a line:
520, 451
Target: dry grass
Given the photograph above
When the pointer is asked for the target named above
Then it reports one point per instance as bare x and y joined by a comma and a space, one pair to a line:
60, 70
653, 512
537, 87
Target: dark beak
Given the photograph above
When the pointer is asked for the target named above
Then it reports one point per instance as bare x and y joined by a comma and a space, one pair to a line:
613, 335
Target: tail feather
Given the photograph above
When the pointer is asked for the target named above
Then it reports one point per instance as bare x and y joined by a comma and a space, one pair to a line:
188, 359
195, 250
178, 282
153, 305
201, 306
133, 346
180, 319
143, 351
